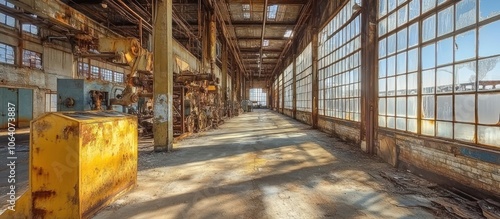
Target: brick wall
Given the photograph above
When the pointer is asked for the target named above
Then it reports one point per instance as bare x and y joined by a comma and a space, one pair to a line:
345, 130
459, 165
305, 117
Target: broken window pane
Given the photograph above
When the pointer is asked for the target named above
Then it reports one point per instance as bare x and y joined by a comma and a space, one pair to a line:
465, 46
488, 9
465, 13
444, 80
445, 21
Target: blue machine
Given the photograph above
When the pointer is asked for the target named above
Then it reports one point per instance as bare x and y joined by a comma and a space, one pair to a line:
85, 95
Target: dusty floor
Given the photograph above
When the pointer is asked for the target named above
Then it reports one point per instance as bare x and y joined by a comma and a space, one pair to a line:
265, 165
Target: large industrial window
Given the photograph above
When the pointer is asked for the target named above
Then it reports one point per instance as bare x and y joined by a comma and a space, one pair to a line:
304, 80
339, 65
440, 69
32, 59
6, 54
106, 75
119, 77
30, 28
83, 69
258, 95
275, 94
280, 91
94, 72
288, 77
6, 19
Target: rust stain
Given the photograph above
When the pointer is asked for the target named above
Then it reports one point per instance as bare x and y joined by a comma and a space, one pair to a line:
70, 130
42, 194
41, 127
37, 150
87, 136
40, 213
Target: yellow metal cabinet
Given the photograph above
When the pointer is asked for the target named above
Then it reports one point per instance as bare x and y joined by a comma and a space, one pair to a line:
79, 162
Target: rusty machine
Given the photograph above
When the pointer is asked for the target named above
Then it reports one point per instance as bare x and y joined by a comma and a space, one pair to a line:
197, 103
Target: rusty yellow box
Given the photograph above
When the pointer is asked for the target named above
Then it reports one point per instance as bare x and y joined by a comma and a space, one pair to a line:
80, 162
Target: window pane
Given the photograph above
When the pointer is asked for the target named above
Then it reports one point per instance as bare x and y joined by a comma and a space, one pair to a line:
412, 125
391, 66
428, 81
391, 44
444, 129
465, 77
445, 108
413, 60
401, 85
428, 56
391, 122
401, 63
391, 22
403, 15
489, 73
382, 48
391, 106
488, 135
465, 46
382, 8
382, 27
413, 35
412, 107
428, 107
427, 127
382, 87
382, 66
429, 28
381, 121
401, 124
412, 84
465, 14
464, 132
488, 8
465, 108
444, 80
401, 107
489, 109
428, 5
391, 86
414, 9
445, 51
488, 39
402, 39
381, 106
445, 21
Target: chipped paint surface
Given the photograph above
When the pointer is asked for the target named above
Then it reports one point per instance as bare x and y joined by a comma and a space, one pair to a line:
161, 110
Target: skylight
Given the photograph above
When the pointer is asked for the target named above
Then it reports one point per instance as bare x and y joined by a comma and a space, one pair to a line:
266, 42
246, 7
271, 12
288, 34
246, 15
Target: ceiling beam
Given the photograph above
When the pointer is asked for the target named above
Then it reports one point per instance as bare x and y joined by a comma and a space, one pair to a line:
257, 50
258, 38
259, 23
270, 2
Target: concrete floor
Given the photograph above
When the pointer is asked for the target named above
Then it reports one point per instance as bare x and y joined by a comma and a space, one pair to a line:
265, 165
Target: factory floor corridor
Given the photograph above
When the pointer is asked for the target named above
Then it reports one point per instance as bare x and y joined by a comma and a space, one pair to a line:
266, 165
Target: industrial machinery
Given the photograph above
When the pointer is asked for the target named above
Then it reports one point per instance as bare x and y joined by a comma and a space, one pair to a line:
86, 95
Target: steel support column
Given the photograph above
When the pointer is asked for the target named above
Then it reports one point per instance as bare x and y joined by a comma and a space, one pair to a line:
315, 79
212, 32
369, 74
224, 76
163, 76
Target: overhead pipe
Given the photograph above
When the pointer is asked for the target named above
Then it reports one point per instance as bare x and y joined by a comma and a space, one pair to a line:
124, 5
262, 37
